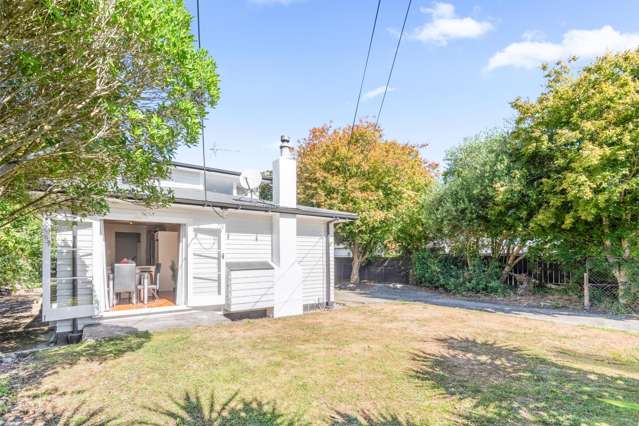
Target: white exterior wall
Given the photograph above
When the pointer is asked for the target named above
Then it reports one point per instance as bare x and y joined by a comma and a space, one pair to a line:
244, 236
248, 237
331, 262
251, 289
311, 255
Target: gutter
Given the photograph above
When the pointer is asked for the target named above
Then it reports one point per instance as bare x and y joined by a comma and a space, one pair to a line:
269, 208
329, 303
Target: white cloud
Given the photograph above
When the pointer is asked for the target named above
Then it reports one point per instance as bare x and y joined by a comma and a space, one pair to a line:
584, 44
533, 35
378, 91
446, 25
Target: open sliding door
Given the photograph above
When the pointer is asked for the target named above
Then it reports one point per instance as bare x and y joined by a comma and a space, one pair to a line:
68, 281
205, 266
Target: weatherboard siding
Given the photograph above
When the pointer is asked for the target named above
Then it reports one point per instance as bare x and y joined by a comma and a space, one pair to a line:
311, 254
249, 289
248, 238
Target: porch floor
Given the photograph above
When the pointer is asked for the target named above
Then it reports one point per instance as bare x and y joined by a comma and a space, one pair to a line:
167, 298
120, 326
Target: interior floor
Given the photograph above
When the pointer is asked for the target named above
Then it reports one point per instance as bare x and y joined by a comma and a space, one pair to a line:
167, 298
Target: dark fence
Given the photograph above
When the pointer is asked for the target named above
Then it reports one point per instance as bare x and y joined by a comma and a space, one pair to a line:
394, 270
541, 272
386, 270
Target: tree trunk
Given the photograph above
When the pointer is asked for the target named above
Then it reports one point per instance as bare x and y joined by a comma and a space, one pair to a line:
512, 259
620, 271
506, 272
412, 279
622, 277
357, 262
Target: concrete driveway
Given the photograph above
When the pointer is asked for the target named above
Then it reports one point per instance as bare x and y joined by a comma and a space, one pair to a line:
384, 293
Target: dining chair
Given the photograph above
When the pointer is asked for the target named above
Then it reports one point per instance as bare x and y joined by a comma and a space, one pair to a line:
124, 279
154, 286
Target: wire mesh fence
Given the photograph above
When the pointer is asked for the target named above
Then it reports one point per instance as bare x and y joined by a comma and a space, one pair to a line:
382, 270
600, 286
611, 283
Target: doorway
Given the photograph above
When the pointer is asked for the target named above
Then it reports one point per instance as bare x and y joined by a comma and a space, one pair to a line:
143, 264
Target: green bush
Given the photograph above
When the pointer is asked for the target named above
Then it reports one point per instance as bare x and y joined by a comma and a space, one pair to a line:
437, 270
20, 252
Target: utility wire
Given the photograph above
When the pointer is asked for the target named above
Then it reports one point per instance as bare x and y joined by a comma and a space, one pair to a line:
393, 64
199, 46
361, 86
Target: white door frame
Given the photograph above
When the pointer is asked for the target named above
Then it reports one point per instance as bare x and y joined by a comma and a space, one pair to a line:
183, 277
219, 299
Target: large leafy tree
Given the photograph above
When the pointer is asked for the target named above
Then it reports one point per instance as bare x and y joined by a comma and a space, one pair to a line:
381, 180
92, 93
577, 145
475, 215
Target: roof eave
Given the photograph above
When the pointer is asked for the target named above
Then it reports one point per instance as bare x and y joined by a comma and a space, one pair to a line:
267, 208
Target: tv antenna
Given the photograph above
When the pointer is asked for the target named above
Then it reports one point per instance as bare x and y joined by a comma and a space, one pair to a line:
215, 149
251, 180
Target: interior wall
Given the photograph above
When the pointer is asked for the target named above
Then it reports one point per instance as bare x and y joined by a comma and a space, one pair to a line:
110, 228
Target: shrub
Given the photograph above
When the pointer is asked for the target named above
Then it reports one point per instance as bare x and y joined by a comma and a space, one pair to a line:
437, 270
20, 252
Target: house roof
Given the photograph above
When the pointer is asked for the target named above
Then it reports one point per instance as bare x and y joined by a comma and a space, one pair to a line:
195, 197
211, 169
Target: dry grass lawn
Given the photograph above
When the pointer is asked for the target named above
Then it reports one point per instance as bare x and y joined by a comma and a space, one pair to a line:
395, 363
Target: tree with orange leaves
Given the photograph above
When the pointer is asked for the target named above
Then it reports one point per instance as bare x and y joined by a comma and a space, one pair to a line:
381, 180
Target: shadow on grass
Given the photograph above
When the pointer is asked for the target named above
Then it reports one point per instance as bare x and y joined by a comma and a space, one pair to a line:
192, 410
27, 375
367, 418
505, 385
77, 417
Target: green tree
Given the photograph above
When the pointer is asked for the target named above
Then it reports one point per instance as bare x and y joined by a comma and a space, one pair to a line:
474, 214
20, 252
381, 180
577, 146
94, 93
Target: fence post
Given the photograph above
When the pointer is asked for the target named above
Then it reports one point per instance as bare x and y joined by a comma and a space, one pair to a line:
587, 287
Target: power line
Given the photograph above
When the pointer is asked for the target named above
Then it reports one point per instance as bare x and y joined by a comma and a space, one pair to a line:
199, 46
393, 64
361, 86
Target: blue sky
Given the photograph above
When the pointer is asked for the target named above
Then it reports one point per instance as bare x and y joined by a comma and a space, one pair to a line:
289, 65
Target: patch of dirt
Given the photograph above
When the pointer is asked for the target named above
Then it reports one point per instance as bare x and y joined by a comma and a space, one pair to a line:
21, 325
547, 301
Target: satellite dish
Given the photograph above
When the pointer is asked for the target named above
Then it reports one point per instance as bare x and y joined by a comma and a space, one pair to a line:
250, 180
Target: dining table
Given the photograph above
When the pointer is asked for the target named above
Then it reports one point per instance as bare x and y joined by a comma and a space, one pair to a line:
144, 275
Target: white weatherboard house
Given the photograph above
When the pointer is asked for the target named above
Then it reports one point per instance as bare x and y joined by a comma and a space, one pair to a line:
220, 249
